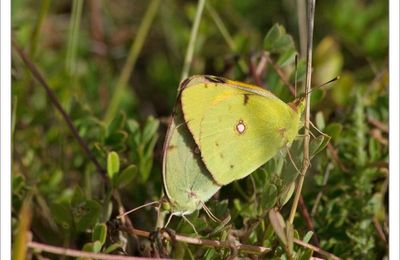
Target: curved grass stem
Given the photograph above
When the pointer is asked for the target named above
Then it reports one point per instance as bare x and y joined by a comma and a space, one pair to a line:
134, 51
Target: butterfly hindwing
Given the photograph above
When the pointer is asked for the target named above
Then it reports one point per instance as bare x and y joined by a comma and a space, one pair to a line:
187, 182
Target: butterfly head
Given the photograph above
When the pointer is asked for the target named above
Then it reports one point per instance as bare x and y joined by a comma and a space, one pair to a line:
298, 105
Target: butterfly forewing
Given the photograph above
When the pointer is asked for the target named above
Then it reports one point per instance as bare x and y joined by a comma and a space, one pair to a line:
237, 128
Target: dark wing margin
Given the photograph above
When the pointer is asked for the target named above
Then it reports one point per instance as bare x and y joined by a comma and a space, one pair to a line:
215, 79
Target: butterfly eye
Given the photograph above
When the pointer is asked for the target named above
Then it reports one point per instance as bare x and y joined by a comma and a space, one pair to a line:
240, 127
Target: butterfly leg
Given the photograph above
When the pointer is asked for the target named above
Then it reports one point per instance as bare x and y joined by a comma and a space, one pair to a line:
169, 220
291, 159
209, 213
319, 131
191, 224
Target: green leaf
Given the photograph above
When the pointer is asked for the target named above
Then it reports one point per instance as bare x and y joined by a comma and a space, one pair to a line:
277, 41
318, 144
116, 137
88, 247
125, 177
269, 196
86, 214
112, 164
287, 57
150, 129
305, 255
287, 194
99, 233
94, 247
97, 245
133, 126
272, 37
308, 236
301, 71
319, 120
113, 247
116, 124
61, 213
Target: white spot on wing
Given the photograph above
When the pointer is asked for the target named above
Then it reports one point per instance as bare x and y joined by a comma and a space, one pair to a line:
240, 127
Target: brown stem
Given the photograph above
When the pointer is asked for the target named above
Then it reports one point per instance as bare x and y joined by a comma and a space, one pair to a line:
201, 241
262, 64
315, 249
253, 72
281, 74
76, 253
221, 244
335, 157
309, 221
379, 230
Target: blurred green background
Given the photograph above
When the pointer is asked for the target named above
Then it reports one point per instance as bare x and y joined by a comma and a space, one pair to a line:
115, 67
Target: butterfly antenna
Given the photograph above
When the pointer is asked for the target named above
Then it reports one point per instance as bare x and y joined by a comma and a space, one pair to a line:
291, 159
191, 224
137, 208
209, 213
169, 220
320, 86
319, 131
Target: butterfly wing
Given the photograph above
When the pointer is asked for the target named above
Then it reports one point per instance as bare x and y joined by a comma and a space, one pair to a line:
187, 183
237, 128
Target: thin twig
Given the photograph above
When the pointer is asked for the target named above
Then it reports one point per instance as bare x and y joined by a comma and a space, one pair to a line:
77, 253
309, 221
315, 249
306, 152
136, 47
336, 158
261, 66
200, 241
221, 244
53, 98
253, 71
281, 74
192, 41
